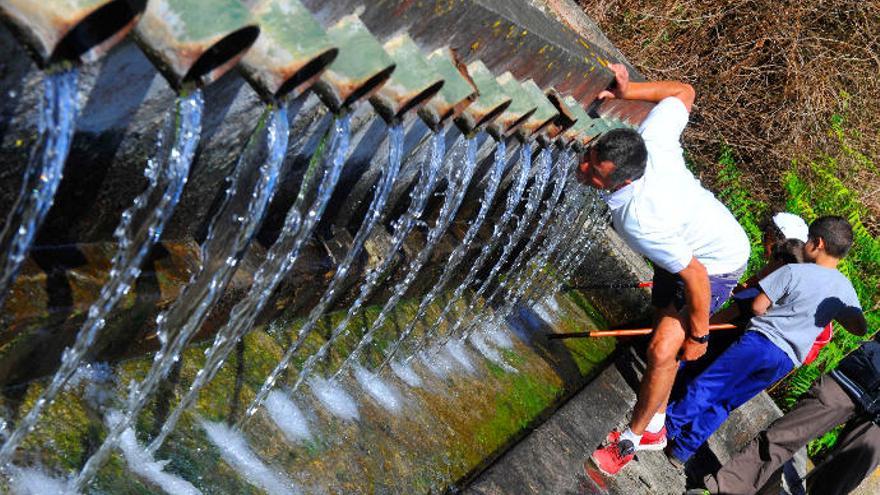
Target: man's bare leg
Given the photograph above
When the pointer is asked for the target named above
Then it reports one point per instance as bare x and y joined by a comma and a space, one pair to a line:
660, 373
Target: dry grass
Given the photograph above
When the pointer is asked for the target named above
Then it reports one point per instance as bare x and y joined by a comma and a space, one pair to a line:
769, 76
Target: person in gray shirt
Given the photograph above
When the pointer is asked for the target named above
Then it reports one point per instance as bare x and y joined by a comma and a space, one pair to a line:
794, 305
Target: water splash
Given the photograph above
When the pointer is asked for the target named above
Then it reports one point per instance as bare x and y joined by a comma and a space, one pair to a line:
57, 115
513, 198
459, 177
458, 254
374, 214
229, 234
381, 392
288, 417
428, 178
334, 398
536, 192
237, 453
141, 463
459, 353
405, 372
29, 481
138, 230
298, 227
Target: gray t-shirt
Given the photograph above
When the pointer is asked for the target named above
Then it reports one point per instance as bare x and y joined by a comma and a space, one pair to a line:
806, 297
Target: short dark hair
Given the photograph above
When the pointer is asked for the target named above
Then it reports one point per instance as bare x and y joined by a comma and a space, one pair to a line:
789, 251
626, 149
835, 231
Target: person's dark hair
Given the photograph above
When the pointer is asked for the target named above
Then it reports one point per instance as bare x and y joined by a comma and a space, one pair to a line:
771, 234
836, 232
626, 149
788, 251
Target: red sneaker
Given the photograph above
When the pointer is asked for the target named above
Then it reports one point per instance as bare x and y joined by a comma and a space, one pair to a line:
611, 459
650, 441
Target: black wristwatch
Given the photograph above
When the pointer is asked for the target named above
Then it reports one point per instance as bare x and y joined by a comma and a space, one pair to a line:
701, 340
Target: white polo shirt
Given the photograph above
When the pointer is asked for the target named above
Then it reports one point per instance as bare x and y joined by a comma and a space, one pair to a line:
666, 215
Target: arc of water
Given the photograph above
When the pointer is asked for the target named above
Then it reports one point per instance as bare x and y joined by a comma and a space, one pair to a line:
522, 281
513, 198
536, 193
457, 256
229, 234
56, 118
376, 212
299, 225
139, 229
559, 185
428, 177
427, 180
459, 177
573, 254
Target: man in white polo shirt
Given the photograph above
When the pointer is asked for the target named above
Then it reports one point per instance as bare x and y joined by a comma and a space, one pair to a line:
698, 249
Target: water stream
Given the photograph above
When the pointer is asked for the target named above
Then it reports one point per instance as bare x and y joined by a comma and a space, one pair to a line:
231, 231
458, 254
56, 119
459, 176
375, 213
427, 181
536, 193
139, 229
514, 196
322, 173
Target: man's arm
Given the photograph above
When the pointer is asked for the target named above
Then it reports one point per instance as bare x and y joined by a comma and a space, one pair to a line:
649, 91
853, 320
697, 294
761, 304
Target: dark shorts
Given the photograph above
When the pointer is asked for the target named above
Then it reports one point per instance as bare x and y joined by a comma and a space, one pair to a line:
669, 289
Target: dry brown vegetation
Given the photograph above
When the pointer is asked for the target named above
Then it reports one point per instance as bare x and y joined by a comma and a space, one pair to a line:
769, 76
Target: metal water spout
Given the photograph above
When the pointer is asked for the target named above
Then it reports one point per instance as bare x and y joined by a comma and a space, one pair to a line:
585, 129
194, 42
457, 92
537, 124
361, 68
490, 103
291, 52
563, 121
70, 30
412, 84
521, 106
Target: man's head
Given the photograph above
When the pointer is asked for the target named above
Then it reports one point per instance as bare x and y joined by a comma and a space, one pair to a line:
830, 236
617, 159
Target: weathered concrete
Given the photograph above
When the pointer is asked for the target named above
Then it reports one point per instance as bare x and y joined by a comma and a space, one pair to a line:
555, 457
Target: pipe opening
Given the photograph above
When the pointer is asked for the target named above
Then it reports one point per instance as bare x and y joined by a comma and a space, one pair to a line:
221, 56
492, 115
308, 72
371, 84
420, 98
98, 31
520, 121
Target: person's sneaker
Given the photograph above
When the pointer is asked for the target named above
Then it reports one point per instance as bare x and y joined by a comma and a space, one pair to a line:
697, 491
611, 458
650, 441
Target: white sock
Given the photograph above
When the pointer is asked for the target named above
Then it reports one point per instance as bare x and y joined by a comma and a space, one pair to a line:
657, 423
632, 437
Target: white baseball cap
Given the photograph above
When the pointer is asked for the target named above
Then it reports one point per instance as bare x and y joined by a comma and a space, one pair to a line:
791, 225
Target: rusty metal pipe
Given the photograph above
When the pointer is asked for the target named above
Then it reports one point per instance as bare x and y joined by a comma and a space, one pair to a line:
490, 102
194, 42
565, 120
412, 84
361, 68
521, 107
291, 52
77, 31
546, 113
457, 92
